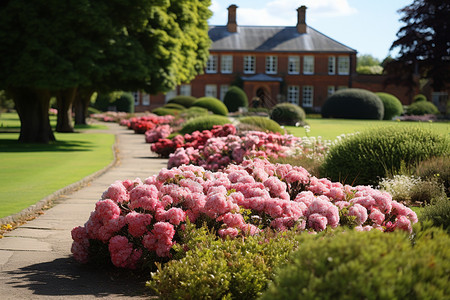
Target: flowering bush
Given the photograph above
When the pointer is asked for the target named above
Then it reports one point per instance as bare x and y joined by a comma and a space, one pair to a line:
136, 223
110, 116
144, 123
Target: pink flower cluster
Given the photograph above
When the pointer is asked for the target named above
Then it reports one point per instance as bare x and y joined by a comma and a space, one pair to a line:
135, 218
159, 132
110, 116
144, 123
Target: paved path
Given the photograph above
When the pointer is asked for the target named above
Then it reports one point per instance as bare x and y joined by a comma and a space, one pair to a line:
35, 258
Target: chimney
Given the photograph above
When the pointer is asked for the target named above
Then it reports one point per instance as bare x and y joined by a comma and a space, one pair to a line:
232, 25
301, 20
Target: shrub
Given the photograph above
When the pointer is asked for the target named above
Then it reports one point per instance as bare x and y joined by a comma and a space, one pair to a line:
372, 154
194, 112
392, 106
435, 167
287, 114
93, 110
428, 192
223, 269
212, 104
103, 101
235, 98
399, 186
419, 98
174, 106
422, 108
263, 123
438, 213
353, 104
369, 265
185, 101
164, 111
125, 103
204, 123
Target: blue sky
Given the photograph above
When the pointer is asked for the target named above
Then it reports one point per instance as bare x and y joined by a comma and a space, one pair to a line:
368, 26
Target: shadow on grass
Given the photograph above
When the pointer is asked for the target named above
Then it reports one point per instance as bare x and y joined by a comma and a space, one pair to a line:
10, 145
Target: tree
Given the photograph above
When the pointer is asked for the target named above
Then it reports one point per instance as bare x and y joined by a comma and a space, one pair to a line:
51, 47
367, 64
424, 44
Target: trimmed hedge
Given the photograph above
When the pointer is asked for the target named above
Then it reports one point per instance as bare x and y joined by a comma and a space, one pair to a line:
125, 103
212, 104
438, 214
366, 265
163, 111
287, 114
422, 108
185, 101
365, 157
264, 123
235, 97
204, 123
174, 106
419, 98
392, 105
353, 104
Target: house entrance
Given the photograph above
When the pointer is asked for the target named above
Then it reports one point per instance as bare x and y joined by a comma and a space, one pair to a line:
264, 97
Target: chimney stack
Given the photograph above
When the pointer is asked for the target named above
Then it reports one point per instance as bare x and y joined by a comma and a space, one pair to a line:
232, 25
301, 20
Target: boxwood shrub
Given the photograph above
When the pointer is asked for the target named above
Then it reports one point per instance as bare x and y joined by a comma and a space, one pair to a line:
235, 97
353, 104
422, 108
287, 114
392, 105
162, 111
366, 157
366, 265
204, 123
419, 98
174, 106
264, 123
438, 214
212, 104
186, 101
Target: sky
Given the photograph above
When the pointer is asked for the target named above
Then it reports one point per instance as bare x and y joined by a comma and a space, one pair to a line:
368, 26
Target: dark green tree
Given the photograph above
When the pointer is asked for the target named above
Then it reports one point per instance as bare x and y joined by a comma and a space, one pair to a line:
423, 43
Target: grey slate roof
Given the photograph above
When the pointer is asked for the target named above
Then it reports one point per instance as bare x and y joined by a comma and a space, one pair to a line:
273, 38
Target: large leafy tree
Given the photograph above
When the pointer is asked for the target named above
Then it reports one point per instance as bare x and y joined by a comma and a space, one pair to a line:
423, 43
70, 48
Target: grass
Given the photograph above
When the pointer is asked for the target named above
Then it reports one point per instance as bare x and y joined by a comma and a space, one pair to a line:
30, 172
329, 129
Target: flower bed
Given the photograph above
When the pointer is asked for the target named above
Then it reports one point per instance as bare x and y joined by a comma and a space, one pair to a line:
136, 223
143, 124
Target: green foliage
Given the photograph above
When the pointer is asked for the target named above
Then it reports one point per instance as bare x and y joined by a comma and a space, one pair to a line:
392, 105
366, 265
235, 98
204, 123
104, 101
223, 269
264, 123
212, 104
5, 102
437, 168
287, 114
438, 213
163, 111
92, 110
175, 106
372, 154
125, 103
428, 192
420, 98
353, 104
369, 70
422, 108
367, 60
185, 101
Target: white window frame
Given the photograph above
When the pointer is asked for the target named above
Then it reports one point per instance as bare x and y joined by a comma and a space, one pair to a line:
211, 90
170, 95
294, 65
211, 64
308, 64
249, 64
185, 89
271, 64
307, 96
146, 99
343, 65
293, 94
223, 90
331, 65
331, 90
226, 64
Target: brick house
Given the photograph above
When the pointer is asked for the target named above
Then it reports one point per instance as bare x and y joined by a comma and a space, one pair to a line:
273, 64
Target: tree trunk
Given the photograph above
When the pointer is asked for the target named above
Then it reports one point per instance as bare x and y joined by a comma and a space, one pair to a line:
81, 104
64, 101
32, 105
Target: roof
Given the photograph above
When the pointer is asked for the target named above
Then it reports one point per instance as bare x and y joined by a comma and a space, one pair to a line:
273, 38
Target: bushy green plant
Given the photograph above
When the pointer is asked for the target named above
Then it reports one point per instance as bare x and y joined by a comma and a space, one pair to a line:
186, 101
212, 104
392, 105
366, 265
435, 167
103, 101
223, 269
264, 123
428, 191
419, 98
175, 106
194, 112
204, 123
125, 103
353, 104
287, 114
235, 97
163, 111
438, 213
92, 110
366, 157
422, 108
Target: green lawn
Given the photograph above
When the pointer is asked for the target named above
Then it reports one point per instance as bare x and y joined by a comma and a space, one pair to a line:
331, 128
30, 172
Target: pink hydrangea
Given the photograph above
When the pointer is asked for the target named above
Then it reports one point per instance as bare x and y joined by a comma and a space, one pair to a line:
229, 231
138, 223
317, 222
175, 216
359, 212
122, 253
232, 220
377, 216
116, 192
403, 223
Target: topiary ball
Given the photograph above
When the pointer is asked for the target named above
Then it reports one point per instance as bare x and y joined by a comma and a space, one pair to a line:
392, 105
287, 114
419, 98
212, 104
125, 103
174, 106
353, 104
265, 124
366, 157
163, 111
204, 123
422, 108
235, 97
186, 101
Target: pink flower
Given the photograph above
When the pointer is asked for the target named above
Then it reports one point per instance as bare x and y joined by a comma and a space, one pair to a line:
232, 220
175, 216
122, 253
80, 252
403, 223
276, 186
107, 210
231, 232
137, 223
250, 229
116, 192
377, 216
317, 222
359, 212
